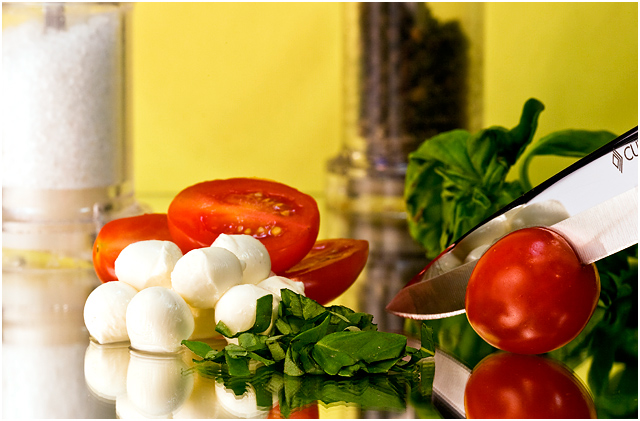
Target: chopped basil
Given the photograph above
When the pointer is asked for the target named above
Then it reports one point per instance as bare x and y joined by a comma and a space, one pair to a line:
309, 338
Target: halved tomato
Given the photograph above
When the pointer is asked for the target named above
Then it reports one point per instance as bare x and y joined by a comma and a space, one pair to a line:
284, 219
330, 268
119, 233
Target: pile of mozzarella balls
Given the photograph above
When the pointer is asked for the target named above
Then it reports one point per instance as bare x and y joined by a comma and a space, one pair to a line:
163, 297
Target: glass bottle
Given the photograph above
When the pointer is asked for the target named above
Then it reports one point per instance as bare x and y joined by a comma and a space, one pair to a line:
410, 71
66, 153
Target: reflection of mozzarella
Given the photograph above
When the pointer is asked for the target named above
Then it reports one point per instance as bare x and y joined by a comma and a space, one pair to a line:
105, 369
275, 283
237, 307
484, 234
443, 264
147, 263
158, 319
251, 251
476, 253
242, 406
202, 403
202, 275
157, 385
542, 214
105, 311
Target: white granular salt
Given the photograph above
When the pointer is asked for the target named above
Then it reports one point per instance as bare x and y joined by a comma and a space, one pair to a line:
62, 104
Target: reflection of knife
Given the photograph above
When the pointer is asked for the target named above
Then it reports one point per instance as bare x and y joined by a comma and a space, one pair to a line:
449, 382
593, 204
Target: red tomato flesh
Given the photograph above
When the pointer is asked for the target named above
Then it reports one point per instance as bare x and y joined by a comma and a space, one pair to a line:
330, 268
119, 233
505, 385
309, 411
530, 294
284, 219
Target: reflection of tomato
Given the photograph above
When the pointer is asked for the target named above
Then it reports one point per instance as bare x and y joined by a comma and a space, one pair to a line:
309, 411
285, 220
530, 294
119, 233
330, 268
505, 385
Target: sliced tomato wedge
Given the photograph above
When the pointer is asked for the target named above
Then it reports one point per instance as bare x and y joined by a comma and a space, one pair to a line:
119, 233
330, 268
284, 219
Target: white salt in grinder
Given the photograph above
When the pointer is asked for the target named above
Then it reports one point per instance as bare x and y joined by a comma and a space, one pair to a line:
66, 153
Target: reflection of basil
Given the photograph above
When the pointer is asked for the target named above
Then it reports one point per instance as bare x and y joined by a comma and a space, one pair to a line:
457, 179
371, 392
312, 339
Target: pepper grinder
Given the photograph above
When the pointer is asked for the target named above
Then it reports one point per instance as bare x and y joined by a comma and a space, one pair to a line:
410, 71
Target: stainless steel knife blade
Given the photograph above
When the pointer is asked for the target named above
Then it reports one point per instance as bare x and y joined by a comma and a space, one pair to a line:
598, 198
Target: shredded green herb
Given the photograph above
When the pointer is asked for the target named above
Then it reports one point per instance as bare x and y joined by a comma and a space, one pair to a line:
312, 339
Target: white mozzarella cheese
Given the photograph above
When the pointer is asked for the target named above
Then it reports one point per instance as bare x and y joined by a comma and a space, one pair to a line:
237, 307
158, 319
202, 275
251, 251
147, 263
105, 311
275, 283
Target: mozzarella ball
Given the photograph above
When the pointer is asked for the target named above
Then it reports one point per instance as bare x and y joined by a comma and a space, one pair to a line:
541, 214
249, 250
147, 263
237, 308
158, 319
274, 284
105, 311
202, 275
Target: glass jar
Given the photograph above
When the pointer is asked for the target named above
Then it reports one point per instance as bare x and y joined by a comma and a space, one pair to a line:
66, 153
410, 71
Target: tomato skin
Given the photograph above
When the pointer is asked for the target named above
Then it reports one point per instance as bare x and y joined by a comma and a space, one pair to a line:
506, 385
530, 294
119, 233
309, 411
284, 219
330, 268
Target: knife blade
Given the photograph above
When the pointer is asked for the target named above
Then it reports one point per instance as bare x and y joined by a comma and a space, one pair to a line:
599, 203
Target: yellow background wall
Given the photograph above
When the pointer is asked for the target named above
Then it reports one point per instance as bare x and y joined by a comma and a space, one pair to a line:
253, 89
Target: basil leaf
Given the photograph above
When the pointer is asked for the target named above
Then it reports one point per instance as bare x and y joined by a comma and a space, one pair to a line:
224, 330
567, 143
201, 349
291, 367
455, 180
264, 312
342, 349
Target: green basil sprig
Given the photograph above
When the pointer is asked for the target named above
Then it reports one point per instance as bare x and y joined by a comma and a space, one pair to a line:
312, 339
456, 179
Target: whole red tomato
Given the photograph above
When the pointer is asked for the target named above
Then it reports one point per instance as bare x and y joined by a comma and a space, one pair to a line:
330, 268
506, 385
530, 294
284, 219
119, 233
